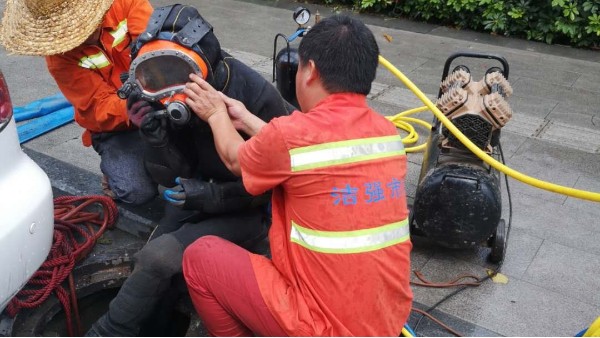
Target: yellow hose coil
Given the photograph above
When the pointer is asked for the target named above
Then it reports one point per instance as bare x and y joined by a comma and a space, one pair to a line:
582, 194
594, 329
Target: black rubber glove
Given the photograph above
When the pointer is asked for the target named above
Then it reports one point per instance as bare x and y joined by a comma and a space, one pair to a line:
154, 129
137, 109
210, 197
162, 159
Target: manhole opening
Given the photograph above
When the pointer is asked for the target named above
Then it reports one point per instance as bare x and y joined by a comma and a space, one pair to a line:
166, 323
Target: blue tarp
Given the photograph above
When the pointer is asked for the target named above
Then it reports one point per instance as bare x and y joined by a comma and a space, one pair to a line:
40, 107
44, 124
45, 114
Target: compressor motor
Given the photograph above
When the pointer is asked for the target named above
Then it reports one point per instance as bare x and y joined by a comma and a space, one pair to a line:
458, 202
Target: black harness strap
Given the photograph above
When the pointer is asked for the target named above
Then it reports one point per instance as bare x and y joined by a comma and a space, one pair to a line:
154, 26
193, 32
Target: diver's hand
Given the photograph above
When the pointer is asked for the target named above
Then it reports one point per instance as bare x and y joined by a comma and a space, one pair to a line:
137, 109
175, 195
203, 99
153, 129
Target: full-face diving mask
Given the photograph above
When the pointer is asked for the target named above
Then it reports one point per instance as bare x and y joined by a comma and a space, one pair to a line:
176, 43
159, 74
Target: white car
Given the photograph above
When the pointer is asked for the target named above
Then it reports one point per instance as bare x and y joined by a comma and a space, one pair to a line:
26, 208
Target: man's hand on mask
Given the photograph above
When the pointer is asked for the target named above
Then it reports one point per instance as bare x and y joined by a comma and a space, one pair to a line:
203, 99
137, 109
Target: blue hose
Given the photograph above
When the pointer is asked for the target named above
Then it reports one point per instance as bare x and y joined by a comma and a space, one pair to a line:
410, 330
296, 34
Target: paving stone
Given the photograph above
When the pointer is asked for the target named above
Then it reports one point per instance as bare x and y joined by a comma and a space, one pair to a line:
384, 76
385, 108
418, 258
75, 153
442, 267
559, 157
511, 143
265, 68
539, 161
524, 125
584, 139
557, 223
545, 73
521, 309
401, 97
427, 83
578, 276
586, 116
521, 249
249, 59
65, 144
21, 73
527, 87
586, 183
424, 327
50, 140
531, 106
376, 89
588, 81
412, 179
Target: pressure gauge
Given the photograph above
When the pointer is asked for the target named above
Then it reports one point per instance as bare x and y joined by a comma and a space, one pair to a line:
301, 15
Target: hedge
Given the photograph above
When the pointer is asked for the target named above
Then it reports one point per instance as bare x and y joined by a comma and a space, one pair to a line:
570, 22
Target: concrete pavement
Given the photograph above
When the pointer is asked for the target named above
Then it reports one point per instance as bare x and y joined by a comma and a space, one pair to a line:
553, 255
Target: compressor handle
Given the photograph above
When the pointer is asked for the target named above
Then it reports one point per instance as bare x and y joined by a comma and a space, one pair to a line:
287, 42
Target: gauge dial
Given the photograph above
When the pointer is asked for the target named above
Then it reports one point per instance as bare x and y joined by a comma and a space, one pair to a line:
301, 15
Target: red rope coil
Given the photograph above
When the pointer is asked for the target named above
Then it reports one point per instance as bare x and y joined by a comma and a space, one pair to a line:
74, 237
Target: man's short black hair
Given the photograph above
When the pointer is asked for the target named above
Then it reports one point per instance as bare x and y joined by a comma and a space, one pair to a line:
345, 53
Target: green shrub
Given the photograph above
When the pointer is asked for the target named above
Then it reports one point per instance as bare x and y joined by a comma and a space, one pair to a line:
572, 22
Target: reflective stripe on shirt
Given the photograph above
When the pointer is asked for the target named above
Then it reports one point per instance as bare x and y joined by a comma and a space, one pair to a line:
344, 152
341, 242
119, 33
95, 61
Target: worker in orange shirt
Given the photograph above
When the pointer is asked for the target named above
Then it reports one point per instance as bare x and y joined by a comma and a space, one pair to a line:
339, 239
87, 47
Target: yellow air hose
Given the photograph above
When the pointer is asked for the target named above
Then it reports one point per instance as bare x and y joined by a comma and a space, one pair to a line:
582, 194
592, 331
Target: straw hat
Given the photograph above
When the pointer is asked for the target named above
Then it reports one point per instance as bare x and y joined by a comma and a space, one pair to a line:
48, 27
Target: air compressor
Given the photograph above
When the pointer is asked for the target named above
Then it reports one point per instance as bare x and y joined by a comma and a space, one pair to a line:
458, 202
286, 60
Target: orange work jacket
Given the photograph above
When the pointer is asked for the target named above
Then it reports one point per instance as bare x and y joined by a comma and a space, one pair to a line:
89, 75
339, 239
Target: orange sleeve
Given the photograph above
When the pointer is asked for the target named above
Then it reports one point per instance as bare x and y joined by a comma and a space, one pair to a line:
264, 160
97, 106
138, 13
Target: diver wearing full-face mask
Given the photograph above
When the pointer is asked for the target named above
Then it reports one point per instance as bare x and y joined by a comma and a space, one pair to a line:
203, 197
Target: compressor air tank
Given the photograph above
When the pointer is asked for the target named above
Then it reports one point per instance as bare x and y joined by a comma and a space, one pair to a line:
286, 67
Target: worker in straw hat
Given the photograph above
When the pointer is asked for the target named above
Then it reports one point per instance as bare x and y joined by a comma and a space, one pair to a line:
87, 47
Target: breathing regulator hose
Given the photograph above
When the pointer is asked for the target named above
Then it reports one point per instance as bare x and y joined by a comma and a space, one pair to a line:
582, 194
